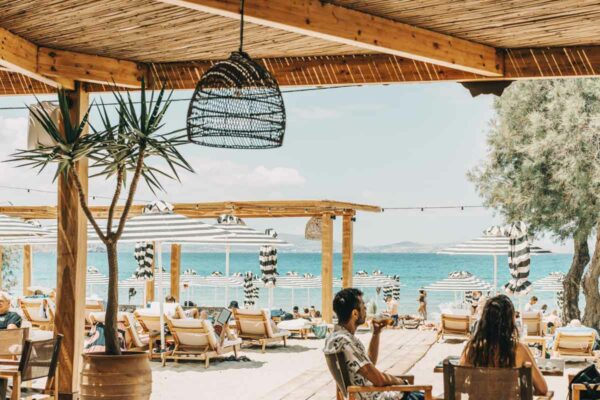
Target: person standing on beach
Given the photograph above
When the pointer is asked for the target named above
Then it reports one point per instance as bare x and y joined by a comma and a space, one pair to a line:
392, 308
422, 304
351, 312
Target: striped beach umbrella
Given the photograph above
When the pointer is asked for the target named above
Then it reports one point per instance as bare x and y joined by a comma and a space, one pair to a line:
459, 281
553, 282
17, 228
144, 257
250, 290
494, 242
519, 261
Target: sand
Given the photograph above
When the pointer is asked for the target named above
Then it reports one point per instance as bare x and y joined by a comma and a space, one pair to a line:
300, 364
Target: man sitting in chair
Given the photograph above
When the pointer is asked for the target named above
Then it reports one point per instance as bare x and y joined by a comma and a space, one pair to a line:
351, 312
8, 319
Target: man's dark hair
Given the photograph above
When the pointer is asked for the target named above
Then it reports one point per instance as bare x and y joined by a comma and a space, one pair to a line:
296, 309
534, 298
345, 301
234, 305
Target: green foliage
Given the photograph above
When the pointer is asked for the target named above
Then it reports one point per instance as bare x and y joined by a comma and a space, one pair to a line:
114, 147
10, 264
543, 165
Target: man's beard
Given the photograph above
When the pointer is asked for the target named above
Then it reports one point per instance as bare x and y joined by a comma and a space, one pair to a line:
361, 320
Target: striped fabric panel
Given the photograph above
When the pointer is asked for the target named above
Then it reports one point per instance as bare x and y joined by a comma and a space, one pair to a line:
268, 265
518, 260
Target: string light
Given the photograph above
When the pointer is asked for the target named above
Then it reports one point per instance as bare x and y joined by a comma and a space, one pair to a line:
423, 208
29, 190
187, 99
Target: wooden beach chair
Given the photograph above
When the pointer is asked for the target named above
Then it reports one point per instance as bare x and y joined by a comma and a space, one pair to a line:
33, 311
461, 383
255, 326
92, 307
195, 339
455, 326
337, 367
573, 346
38, 361
12, 342
149, 321
534, 323
134, 340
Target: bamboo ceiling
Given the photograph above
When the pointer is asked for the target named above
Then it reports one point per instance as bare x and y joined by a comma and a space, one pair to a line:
498, 23
172, 41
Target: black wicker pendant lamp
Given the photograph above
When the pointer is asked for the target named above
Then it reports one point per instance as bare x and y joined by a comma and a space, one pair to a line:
237, 104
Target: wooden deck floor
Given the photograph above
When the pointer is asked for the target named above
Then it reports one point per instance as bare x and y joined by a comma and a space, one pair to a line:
399, 351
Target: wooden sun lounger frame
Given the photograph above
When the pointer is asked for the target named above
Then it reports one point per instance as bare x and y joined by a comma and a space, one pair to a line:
466, 333
586, 353
152, 335
200, 353
25, 304
261, 340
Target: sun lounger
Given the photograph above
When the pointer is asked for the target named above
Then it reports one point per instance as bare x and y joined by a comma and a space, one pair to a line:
149, 321
195, 339
300, 327
461, 383
455, 326
533, 321
38, 312
337, 367
134, 340
574, 346
255, 326
92, 307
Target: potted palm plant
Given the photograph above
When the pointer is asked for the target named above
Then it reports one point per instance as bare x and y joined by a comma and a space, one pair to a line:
127, 151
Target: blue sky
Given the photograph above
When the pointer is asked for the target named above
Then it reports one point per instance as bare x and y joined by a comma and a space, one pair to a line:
397, 145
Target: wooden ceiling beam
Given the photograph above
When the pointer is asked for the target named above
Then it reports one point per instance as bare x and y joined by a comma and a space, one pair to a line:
58, 68
89, 68
244, 209
20, 55
351, 27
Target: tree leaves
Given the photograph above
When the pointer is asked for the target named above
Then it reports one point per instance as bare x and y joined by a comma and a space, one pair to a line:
543, 164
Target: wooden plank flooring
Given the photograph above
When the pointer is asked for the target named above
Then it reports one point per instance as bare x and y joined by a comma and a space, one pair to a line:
399, 350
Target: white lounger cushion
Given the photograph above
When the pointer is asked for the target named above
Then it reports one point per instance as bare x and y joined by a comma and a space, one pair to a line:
294, 324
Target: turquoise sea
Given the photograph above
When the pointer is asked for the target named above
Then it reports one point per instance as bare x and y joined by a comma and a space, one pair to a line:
415, 270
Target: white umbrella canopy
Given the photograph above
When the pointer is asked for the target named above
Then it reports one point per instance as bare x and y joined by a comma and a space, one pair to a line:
459, 281
494, 242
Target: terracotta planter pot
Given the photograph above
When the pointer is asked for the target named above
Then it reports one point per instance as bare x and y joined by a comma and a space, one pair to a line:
124, 377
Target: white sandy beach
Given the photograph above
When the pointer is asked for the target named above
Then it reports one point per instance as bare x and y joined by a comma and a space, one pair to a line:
299, 372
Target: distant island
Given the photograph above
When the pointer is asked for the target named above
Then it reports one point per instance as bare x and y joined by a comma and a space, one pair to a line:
302, 245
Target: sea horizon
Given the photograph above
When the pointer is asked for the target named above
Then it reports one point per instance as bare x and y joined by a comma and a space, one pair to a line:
415, 270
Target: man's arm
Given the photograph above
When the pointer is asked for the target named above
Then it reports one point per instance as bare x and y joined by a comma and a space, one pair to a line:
379, 378
374, 344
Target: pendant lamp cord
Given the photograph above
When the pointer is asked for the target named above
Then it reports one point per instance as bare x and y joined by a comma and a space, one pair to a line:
242, 26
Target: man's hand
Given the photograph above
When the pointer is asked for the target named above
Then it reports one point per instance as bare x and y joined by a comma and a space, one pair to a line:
378, 326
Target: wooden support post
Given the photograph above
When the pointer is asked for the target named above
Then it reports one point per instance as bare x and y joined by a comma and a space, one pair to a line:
327, 267
26, 269
347, 250
71, 263
175, 268
150, 284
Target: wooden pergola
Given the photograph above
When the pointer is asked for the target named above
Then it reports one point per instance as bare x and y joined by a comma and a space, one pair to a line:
86, 46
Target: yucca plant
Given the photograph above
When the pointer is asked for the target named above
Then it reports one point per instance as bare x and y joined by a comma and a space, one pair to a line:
126, 151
